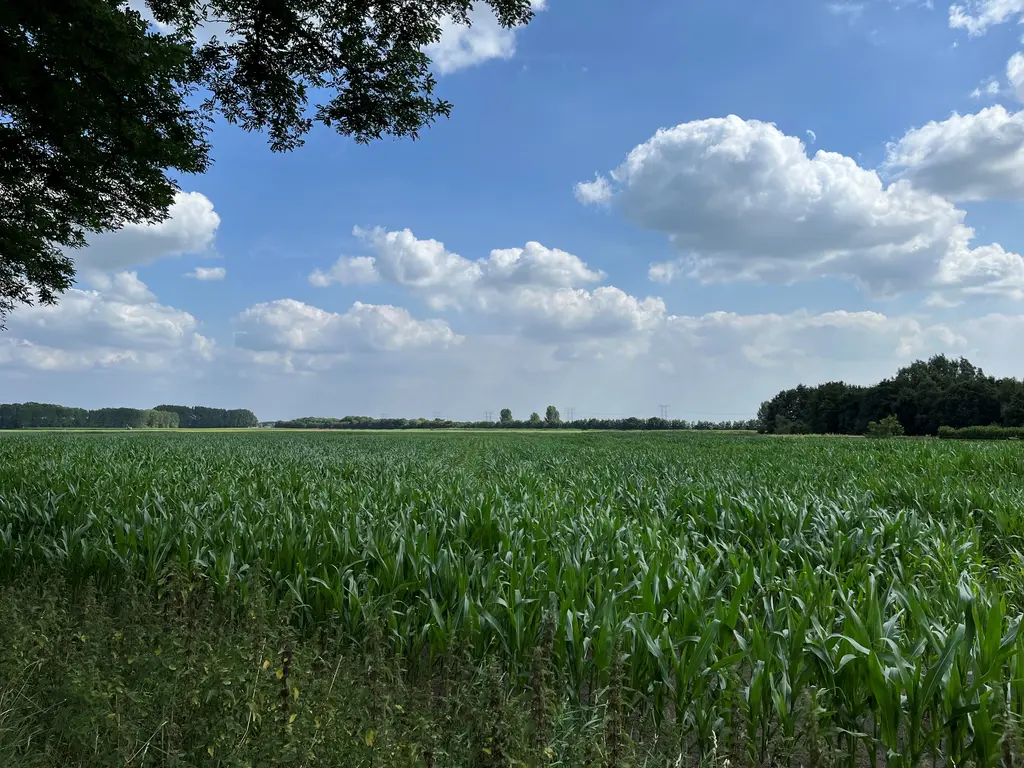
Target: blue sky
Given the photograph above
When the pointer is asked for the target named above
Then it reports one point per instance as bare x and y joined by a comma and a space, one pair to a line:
709, 266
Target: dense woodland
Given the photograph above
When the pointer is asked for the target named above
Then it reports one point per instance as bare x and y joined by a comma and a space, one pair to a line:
41, 415
923, 396
199, 417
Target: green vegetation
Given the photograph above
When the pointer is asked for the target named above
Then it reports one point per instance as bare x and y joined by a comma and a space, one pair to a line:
199, 417
888, 427
990, 432
169, 677
923, 396
494, 599
49, 416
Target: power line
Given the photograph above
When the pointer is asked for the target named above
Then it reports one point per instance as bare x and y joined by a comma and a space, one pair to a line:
488, 415
571, 413
437, 415
663, 412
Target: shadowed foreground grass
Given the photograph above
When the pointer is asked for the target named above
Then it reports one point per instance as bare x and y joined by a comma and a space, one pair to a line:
180, 678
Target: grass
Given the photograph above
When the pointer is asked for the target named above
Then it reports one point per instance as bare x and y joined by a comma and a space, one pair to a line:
133, 679
612, 599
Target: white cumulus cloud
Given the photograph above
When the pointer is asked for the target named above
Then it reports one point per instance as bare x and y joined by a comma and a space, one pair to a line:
739, 199
535, 265
190, 228
402, 258
598, 191
605, 311
118, 323
965, 157
540, 290
287, 325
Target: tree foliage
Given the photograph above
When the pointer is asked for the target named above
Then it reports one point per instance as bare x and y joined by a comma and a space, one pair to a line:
47, 415
922, 396
199, 417
551, 416
100, 110
93, 115
888, 427
36, 415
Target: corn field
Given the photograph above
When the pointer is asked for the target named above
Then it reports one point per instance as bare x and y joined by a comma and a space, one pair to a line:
831, 600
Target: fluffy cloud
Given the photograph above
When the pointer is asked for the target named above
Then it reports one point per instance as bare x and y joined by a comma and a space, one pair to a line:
118, 323
462, 46
402, 258
207, 273
741, 200
535, 265
287, 326
190, 228
1015, 74
596, 192
535, 287
346, 271
604, 312
976, 16
965, 157
124, 287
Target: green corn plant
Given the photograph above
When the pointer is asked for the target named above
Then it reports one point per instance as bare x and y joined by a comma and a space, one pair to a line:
747, 582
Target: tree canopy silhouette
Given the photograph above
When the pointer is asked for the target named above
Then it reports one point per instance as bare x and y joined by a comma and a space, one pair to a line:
923, 396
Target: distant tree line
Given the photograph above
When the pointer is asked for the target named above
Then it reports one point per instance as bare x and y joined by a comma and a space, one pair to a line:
551, 420
39, 415
199, 417
29, 415
923, 396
